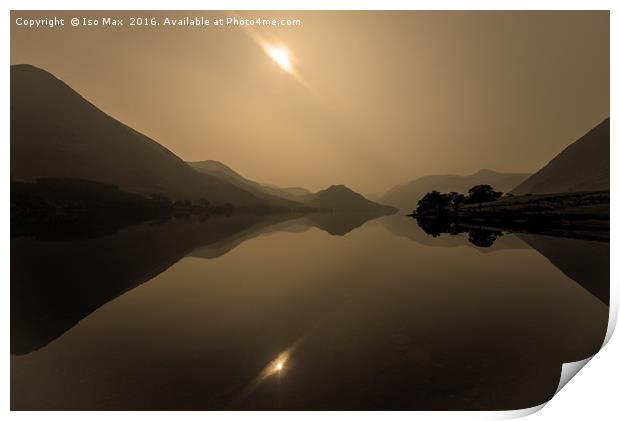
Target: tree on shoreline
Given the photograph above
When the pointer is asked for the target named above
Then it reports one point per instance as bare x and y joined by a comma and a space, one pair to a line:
483, 193
436, 203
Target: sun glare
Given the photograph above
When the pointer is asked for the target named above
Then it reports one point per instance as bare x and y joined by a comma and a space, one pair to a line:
278, 365
281, 57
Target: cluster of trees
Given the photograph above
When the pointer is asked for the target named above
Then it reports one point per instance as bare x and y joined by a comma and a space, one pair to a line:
187, 207
437, 203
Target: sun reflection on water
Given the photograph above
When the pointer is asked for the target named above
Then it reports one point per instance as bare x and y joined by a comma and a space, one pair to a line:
278, 366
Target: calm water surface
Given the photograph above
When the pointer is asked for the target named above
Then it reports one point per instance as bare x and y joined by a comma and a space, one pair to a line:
308, 313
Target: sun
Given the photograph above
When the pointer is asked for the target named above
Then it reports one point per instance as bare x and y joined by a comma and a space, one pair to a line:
281, 57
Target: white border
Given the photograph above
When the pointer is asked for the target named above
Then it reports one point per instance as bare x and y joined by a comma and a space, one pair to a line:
311, 5
593, 394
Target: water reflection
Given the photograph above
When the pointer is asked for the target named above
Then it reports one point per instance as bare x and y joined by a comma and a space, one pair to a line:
478, 236
77, 273
442, 234
582, 257
584, 261
275, 368
277, 313
483, 237
339, 223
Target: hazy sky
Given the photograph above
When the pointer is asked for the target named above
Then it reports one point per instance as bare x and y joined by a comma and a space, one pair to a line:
380, 97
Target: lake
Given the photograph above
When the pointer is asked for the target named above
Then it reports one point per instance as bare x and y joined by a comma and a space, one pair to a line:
312, 312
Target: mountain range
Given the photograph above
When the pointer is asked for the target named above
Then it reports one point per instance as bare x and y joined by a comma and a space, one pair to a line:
335, 198
224, 172
406, 196
57, 134
582, 166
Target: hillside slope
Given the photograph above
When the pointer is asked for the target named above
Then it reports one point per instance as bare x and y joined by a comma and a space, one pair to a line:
55, 133
222, 171
582, 166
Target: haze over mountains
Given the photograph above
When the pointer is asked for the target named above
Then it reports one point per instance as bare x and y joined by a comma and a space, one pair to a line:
336, 197
582, 166
406, 196
56, 133
223, 171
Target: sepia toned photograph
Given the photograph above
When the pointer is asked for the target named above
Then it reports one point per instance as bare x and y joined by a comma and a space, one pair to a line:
306, 210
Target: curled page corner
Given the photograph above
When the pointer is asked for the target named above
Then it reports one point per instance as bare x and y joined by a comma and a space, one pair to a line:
569, 370
613, 313
518, 413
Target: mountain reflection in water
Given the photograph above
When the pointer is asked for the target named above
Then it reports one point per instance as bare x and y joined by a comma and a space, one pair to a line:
585, 259
341, 313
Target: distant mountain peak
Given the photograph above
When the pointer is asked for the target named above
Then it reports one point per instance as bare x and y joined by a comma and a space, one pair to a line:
406, 196
338, 188
339, 197
485, 171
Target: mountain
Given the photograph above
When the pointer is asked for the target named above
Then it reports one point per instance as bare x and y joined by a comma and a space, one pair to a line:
224, 172
337, 198
582, 166
341, 198
56, 133
220, 170
406, 196
293, 193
